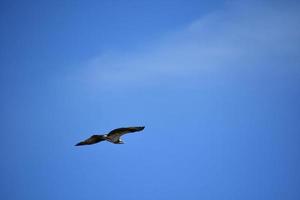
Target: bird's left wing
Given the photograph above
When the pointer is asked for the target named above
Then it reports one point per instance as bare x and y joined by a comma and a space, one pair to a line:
121, 131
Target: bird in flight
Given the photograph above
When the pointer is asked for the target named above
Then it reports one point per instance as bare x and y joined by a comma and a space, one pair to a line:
113, 136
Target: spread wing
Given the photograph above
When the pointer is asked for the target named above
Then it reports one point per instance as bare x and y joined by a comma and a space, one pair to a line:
117, 133
92, 140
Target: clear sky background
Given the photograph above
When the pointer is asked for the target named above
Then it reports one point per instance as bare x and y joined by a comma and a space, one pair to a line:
216, 83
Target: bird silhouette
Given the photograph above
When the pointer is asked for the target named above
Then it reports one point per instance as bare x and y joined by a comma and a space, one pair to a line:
113, 136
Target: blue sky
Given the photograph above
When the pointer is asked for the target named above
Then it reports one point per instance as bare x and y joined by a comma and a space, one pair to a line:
216, 84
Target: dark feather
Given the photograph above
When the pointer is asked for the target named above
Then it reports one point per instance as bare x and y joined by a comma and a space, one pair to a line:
121, 131
92, 140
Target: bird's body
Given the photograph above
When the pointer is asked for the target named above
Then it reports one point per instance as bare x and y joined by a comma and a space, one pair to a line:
113, 136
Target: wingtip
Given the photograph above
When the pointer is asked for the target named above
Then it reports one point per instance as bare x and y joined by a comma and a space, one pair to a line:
79, 144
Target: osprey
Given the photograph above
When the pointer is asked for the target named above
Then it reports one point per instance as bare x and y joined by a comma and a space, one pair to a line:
113, 136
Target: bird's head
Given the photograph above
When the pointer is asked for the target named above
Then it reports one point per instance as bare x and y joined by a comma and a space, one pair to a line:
120, 142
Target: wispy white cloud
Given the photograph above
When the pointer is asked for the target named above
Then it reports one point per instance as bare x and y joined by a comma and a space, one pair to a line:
239, 35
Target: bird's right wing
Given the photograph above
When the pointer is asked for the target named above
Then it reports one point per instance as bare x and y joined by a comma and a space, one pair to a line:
92, 140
